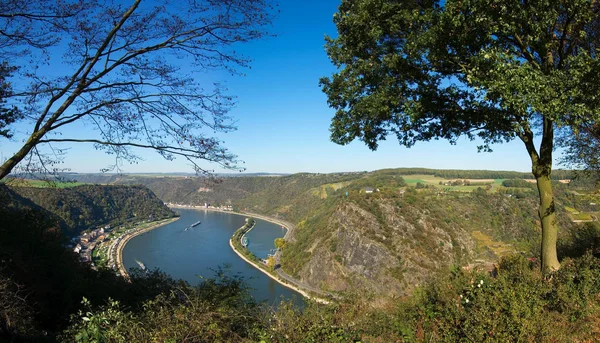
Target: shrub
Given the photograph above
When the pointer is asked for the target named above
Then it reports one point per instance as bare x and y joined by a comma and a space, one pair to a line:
518, 305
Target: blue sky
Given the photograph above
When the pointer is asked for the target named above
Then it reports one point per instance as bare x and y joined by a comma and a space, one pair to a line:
283, 118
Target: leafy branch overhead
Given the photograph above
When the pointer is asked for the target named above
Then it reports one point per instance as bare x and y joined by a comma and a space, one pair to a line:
136, 74
488, 69
479, 68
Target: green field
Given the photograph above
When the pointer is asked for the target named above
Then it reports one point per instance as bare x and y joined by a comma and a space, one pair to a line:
432, 180
43, 184
582, 216
425, 179
571, 210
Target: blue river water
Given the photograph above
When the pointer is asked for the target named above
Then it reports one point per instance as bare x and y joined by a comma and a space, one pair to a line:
197, 252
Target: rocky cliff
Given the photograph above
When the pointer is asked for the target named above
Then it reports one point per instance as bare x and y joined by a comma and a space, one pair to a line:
386, 255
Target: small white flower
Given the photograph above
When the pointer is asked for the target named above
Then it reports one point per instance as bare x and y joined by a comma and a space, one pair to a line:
461, 296
479, 286
481, 282
467, 301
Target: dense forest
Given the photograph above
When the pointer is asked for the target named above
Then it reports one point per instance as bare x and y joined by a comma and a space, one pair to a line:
88, 206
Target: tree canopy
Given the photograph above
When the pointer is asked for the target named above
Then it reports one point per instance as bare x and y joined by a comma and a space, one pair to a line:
488, 69
136, 74
8, 114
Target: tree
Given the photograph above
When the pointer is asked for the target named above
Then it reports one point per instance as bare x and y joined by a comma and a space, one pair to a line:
488, 69
271, 263
133, 73
279, 243
8, 113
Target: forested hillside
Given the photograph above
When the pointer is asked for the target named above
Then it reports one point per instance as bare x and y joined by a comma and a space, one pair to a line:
272, 191
87, 206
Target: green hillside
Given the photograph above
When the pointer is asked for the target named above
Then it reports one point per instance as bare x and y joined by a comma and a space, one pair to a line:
87, 206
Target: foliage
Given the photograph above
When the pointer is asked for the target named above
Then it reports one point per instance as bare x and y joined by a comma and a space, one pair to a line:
518, 183
579, 239
219, 309
279, 243
396, 59
271, 263
315, 323
236, 240
88, 206
514, 306
136, 83
8, 113
48, 279
582, 148
16, 319
557, 174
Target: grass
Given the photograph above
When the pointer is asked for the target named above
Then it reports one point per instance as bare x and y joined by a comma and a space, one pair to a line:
571, 210
485, 241
45, 184
432, 180
422, 178
321, 191
582, 216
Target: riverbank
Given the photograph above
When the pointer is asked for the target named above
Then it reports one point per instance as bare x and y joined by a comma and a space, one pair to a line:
122, 241
281, 277
276, 279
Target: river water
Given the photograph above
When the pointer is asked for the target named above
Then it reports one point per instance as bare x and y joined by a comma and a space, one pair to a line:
195, 253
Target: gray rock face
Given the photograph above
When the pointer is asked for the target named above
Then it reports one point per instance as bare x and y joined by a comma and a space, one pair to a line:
385, 254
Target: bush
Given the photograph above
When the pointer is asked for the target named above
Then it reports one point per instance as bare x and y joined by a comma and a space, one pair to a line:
518, 305
218, 310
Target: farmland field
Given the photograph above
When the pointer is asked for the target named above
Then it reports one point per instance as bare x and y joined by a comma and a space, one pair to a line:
432, 180
44, 184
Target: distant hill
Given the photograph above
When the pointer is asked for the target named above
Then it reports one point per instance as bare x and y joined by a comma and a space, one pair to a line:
87, 206
12, 203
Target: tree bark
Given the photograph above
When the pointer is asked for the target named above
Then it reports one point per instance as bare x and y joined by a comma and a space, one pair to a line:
547, 213
541, 167
9, 164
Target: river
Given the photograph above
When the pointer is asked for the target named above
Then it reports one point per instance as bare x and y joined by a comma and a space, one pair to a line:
195, 253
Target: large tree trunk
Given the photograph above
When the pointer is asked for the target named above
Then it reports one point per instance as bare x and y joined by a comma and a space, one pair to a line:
541, 167
547, 214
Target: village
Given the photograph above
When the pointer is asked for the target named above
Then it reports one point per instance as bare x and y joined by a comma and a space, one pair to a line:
85, 243
98, 246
